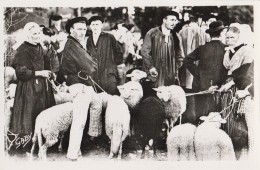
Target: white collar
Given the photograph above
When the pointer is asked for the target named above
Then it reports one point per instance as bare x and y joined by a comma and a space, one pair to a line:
165, 31
215, 38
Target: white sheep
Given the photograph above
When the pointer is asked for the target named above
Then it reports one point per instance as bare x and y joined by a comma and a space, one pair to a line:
137, 75
66, 93
51, 123
212, 143
132, 93
180, 146
9, 75
174, 101
117, 123
63, 97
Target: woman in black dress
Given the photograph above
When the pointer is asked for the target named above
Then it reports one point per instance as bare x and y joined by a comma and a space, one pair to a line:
33, 93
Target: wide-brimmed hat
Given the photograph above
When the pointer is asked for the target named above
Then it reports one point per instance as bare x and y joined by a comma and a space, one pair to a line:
167, 13
95, 18
215, 26
47, 31
72, 21
213, 117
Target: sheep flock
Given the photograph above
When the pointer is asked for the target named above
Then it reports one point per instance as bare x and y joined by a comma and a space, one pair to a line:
74, 104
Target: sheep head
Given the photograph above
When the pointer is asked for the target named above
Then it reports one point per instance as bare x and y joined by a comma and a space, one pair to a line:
137, 75
163, 93
63, 87
131, 92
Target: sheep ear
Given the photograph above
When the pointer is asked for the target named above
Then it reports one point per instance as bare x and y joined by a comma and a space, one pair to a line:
155, 89
120, 87
203, 117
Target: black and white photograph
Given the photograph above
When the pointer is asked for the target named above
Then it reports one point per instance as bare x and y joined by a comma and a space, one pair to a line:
146, 83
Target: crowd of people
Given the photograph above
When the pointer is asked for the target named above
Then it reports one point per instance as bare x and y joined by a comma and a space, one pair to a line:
209, 58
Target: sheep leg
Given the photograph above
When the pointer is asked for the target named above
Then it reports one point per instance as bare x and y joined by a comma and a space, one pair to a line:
111, 153
120, 151
43, 152
34, 139
39, 135
61, 140
155, 145
144, 142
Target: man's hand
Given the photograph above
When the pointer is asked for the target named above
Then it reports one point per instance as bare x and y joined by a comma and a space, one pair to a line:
212, 88
153, 72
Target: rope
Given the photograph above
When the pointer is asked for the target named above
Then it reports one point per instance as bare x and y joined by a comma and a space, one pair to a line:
93, 82
198, 93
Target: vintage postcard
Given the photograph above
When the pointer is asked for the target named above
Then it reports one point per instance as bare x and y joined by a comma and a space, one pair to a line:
129, 84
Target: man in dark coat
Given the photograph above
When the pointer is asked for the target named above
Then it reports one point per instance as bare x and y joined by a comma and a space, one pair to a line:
162, 50
108, 54
75, 58
58, 40
210, 70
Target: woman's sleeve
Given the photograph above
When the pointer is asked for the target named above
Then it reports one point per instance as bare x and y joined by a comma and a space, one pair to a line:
20, 64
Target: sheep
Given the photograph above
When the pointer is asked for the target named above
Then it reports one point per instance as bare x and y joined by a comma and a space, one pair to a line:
63, 97
9, 76
174, 101
212, 143
180, 146
66, 93
137, 75
132, 94
51, 123
117, 121
150, 118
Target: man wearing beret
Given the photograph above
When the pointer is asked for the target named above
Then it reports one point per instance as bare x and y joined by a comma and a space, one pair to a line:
210, 72
75, 58
108, 54
162, 50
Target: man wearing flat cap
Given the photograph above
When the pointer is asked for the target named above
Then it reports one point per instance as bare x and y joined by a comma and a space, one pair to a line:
162, 50
108, 54
210, 72
75, 58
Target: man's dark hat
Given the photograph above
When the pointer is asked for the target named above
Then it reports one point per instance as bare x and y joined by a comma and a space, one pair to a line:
72, 21
55, 17
96, 18
48, 31
167, 13
215, 26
